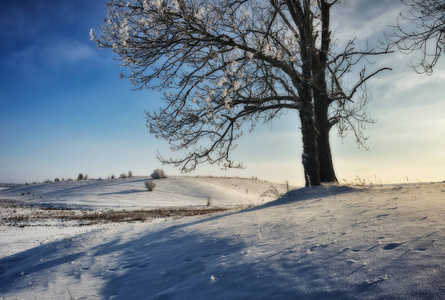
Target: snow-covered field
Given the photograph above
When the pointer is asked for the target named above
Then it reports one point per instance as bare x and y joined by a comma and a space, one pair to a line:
331, 242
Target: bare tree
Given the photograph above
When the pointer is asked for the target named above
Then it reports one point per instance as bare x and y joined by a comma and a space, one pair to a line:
226, 65
424, 32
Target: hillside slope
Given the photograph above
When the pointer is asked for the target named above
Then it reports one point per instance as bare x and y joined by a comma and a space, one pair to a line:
130, 193
332, 242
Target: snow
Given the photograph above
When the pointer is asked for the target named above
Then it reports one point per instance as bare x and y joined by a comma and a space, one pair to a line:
131, 193
330, 242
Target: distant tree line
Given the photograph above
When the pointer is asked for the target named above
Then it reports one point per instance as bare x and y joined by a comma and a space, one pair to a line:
157, 174
8, 184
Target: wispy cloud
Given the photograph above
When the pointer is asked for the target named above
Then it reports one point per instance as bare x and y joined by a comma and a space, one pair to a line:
68, 52
364, 20
408, 86
61, 53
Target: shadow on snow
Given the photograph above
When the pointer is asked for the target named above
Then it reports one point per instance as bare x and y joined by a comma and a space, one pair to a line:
180, 262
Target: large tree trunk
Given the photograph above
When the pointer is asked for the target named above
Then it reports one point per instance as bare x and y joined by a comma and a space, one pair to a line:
321, 98
302, 16
321, 107
327, 173
310, 149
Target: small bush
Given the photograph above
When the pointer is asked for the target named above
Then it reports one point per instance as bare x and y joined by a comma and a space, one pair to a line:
150, 185
158, 174
286, 183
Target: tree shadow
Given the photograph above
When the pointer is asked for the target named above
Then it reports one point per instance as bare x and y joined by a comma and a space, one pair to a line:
179, 261
174, 265
306, 193
176, 262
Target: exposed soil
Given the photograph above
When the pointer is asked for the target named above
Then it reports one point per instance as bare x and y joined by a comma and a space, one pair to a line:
15, 213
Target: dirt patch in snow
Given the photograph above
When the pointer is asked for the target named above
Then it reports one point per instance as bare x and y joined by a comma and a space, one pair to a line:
15, 213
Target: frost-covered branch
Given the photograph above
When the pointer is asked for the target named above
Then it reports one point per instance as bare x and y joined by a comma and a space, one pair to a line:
424, 32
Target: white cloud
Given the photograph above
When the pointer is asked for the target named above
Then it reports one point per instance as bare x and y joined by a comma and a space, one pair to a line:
60, 53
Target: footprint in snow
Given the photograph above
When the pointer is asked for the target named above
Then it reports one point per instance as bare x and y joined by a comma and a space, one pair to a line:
423, 246
421, 249
382, 215
392, 246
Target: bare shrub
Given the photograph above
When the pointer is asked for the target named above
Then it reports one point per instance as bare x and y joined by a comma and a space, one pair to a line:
359, 181
158, 174
273, 192
150, 185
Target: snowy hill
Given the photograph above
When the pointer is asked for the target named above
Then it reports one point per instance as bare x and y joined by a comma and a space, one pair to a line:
130, 193
332, 242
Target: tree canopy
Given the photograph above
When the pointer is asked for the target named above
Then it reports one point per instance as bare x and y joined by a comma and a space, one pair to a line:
225, 66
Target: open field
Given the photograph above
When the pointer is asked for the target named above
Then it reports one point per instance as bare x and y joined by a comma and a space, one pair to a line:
113, 240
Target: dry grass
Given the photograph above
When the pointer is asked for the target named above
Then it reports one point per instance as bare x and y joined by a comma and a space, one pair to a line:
19, 214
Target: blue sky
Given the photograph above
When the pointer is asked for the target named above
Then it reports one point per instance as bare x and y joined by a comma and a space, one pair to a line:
64, 110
